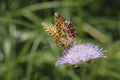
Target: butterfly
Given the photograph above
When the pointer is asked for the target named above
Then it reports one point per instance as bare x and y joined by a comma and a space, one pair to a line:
63, 31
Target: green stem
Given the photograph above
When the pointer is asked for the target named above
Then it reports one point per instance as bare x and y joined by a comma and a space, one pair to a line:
83, 72
31, 57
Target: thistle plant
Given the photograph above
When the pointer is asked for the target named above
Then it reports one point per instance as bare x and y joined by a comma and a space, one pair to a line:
79, 53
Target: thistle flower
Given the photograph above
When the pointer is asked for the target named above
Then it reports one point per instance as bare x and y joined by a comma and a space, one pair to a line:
80, 53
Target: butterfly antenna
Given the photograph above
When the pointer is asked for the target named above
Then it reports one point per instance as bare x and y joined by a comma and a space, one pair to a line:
45, 47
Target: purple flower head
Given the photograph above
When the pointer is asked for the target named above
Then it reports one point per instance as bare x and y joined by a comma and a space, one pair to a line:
80, 53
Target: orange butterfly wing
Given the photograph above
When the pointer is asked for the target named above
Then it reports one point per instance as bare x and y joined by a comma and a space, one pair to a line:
63, 32
66, 30
51, 29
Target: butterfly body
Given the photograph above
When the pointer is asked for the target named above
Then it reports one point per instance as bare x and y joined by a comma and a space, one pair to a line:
63, 31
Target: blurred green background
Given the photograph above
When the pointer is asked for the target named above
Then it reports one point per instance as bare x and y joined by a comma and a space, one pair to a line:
27, 52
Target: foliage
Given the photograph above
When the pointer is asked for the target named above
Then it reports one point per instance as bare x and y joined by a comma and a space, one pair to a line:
27, 52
